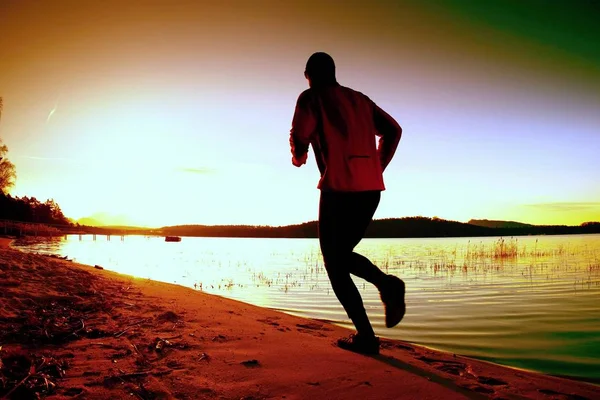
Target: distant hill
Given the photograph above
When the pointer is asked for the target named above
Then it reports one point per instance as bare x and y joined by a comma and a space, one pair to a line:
305, 230
124, 228
410, 227
88, 221
105, 219
498, 224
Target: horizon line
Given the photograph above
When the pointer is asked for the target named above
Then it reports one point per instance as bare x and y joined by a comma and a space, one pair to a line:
315, 221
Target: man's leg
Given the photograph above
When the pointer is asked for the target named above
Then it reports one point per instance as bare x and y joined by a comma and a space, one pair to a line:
364, 207
362, 267
335, 216
391, 288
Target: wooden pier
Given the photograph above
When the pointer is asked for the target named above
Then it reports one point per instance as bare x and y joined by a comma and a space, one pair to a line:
94, 235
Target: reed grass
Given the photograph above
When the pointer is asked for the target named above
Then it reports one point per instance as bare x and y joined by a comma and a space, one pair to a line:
503, 258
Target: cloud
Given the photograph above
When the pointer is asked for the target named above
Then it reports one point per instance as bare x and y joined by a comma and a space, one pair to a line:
49, 158
200, 171
566, 206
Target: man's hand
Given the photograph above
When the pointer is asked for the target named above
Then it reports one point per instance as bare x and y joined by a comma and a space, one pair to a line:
298, 162
304, 126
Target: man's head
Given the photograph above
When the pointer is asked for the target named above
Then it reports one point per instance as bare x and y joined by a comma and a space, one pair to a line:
320, 70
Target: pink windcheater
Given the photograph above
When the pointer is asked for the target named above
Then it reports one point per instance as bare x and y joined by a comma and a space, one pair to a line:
341, 125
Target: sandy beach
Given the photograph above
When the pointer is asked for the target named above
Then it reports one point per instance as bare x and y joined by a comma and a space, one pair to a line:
75, 331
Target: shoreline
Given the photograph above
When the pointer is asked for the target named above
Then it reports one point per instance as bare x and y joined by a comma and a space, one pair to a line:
127, 335
548, 360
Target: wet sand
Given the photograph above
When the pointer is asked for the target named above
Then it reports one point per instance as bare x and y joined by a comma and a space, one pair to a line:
104, 335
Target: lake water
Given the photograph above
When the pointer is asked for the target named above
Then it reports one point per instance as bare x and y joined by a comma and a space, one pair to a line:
528, 302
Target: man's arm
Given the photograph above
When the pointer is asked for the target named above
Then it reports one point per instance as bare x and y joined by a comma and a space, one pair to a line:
389, 132
304, 125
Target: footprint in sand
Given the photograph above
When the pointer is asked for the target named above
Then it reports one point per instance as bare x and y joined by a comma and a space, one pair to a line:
175, 365
385, 344
313, 329
461, 369
451, 367
220, 338
477, 388
251, 363
491, 381
169, 316
269, 321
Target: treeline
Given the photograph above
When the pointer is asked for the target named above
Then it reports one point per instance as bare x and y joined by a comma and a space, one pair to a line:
306, 230
30, 209
434, 227
115, 230
411, 227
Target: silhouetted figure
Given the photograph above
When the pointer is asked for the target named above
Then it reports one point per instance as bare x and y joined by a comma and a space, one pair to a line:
341, 125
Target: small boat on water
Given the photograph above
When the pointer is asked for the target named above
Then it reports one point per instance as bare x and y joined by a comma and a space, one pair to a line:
172, 239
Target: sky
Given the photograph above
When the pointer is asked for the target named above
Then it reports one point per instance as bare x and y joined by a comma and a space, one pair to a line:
173, 112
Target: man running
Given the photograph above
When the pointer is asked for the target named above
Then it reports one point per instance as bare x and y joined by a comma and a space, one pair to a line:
341, 125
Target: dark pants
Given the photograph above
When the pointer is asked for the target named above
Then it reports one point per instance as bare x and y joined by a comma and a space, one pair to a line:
343, 220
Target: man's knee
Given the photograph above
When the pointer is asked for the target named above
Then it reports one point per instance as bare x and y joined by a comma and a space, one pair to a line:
335, 260
336, 267
340, 283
